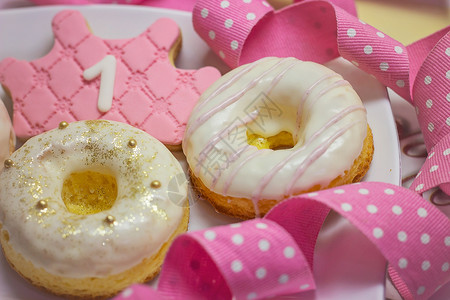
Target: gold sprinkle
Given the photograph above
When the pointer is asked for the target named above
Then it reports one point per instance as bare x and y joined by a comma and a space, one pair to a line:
41, 204
155, 184
8, 163
110, 220
63, 125
132, 143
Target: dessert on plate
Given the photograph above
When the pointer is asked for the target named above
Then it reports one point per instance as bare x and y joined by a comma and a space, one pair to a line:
272, 129
85, 209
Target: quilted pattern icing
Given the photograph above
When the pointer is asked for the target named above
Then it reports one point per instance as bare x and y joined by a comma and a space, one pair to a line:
148, 93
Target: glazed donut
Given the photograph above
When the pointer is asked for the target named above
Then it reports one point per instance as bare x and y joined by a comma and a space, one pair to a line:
85, 209
7, 136
272, 129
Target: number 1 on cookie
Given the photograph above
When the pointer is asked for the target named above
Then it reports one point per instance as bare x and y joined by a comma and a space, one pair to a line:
106, 68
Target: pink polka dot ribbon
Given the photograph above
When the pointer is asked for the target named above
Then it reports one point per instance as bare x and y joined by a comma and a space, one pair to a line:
431, 94
273, 256
322, 30
235, 260
242, 31
398, 221
186, 5
82, 2
411, 233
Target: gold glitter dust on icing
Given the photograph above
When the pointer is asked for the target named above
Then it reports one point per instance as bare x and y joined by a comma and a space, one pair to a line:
160, 212
70, 228
34, 185
129, 218
67, 138
39, 213
36, 189
103, 230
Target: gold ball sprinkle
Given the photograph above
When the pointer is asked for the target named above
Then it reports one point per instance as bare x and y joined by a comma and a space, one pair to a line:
132, 143
42, 204
8, 163
155, 184
110, 220
63, 125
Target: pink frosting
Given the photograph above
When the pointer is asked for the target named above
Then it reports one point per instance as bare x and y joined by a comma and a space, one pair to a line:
6, 132
148, 93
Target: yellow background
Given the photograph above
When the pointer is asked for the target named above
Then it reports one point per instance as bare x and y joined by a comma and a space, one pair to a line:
403, 20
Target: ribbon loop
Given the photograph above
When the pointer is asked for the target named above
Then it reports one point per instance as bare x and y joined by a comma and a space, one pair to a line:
431, 91
412, 234
236, 259
225, 25
310, 30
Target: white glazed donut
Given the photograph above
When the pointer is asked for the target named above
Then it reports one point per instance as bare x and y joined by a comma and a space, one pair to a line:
7, 136
302, 106
85, 209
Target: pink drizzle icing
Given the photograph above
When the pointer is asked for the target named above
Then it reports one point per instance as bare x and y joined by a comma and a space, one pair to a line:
240, 166
217, 138
305, 97
207, 149
201, 120
280, 76
231, 160
217, 91
269, 176
330, 87
316, 153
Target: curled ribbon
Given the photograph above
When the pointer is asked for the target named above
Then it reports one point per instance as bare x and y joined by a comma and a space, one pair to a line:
244, 31
81, 2
226, 261
413, 235
237, 260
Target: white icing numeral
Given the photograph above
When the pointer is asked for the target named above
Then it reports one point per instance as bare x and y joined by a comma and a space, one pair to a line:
106, 68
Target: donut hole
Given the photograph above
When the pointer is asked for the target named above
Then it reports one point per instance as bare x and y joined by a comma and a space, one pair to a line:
282, 140
89, 192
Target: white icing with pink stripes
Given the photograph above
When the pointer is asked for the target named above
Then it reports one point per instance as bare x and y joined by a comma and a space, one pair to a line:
267, 97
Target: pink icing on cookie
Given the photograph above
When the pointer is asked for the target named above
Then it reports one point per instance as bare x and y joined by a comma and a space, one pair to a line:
7, 138
141, 85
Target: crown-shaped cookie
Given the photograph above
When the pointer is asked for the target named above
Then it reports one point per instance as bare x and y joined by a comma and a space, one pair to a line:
87, 77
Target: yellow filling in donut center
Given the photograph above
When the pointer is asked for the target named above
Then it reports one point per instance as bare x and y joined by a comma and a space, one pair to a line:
282, 140
89, 192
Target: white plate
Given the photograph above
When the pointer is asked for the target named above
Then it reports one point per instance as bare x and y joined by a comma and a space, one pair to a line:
347, 265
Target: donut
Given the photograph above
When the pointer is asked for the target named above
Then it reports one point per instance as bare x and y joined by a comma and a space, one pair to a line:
272, 129
7, 136
85, 77
86, 209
